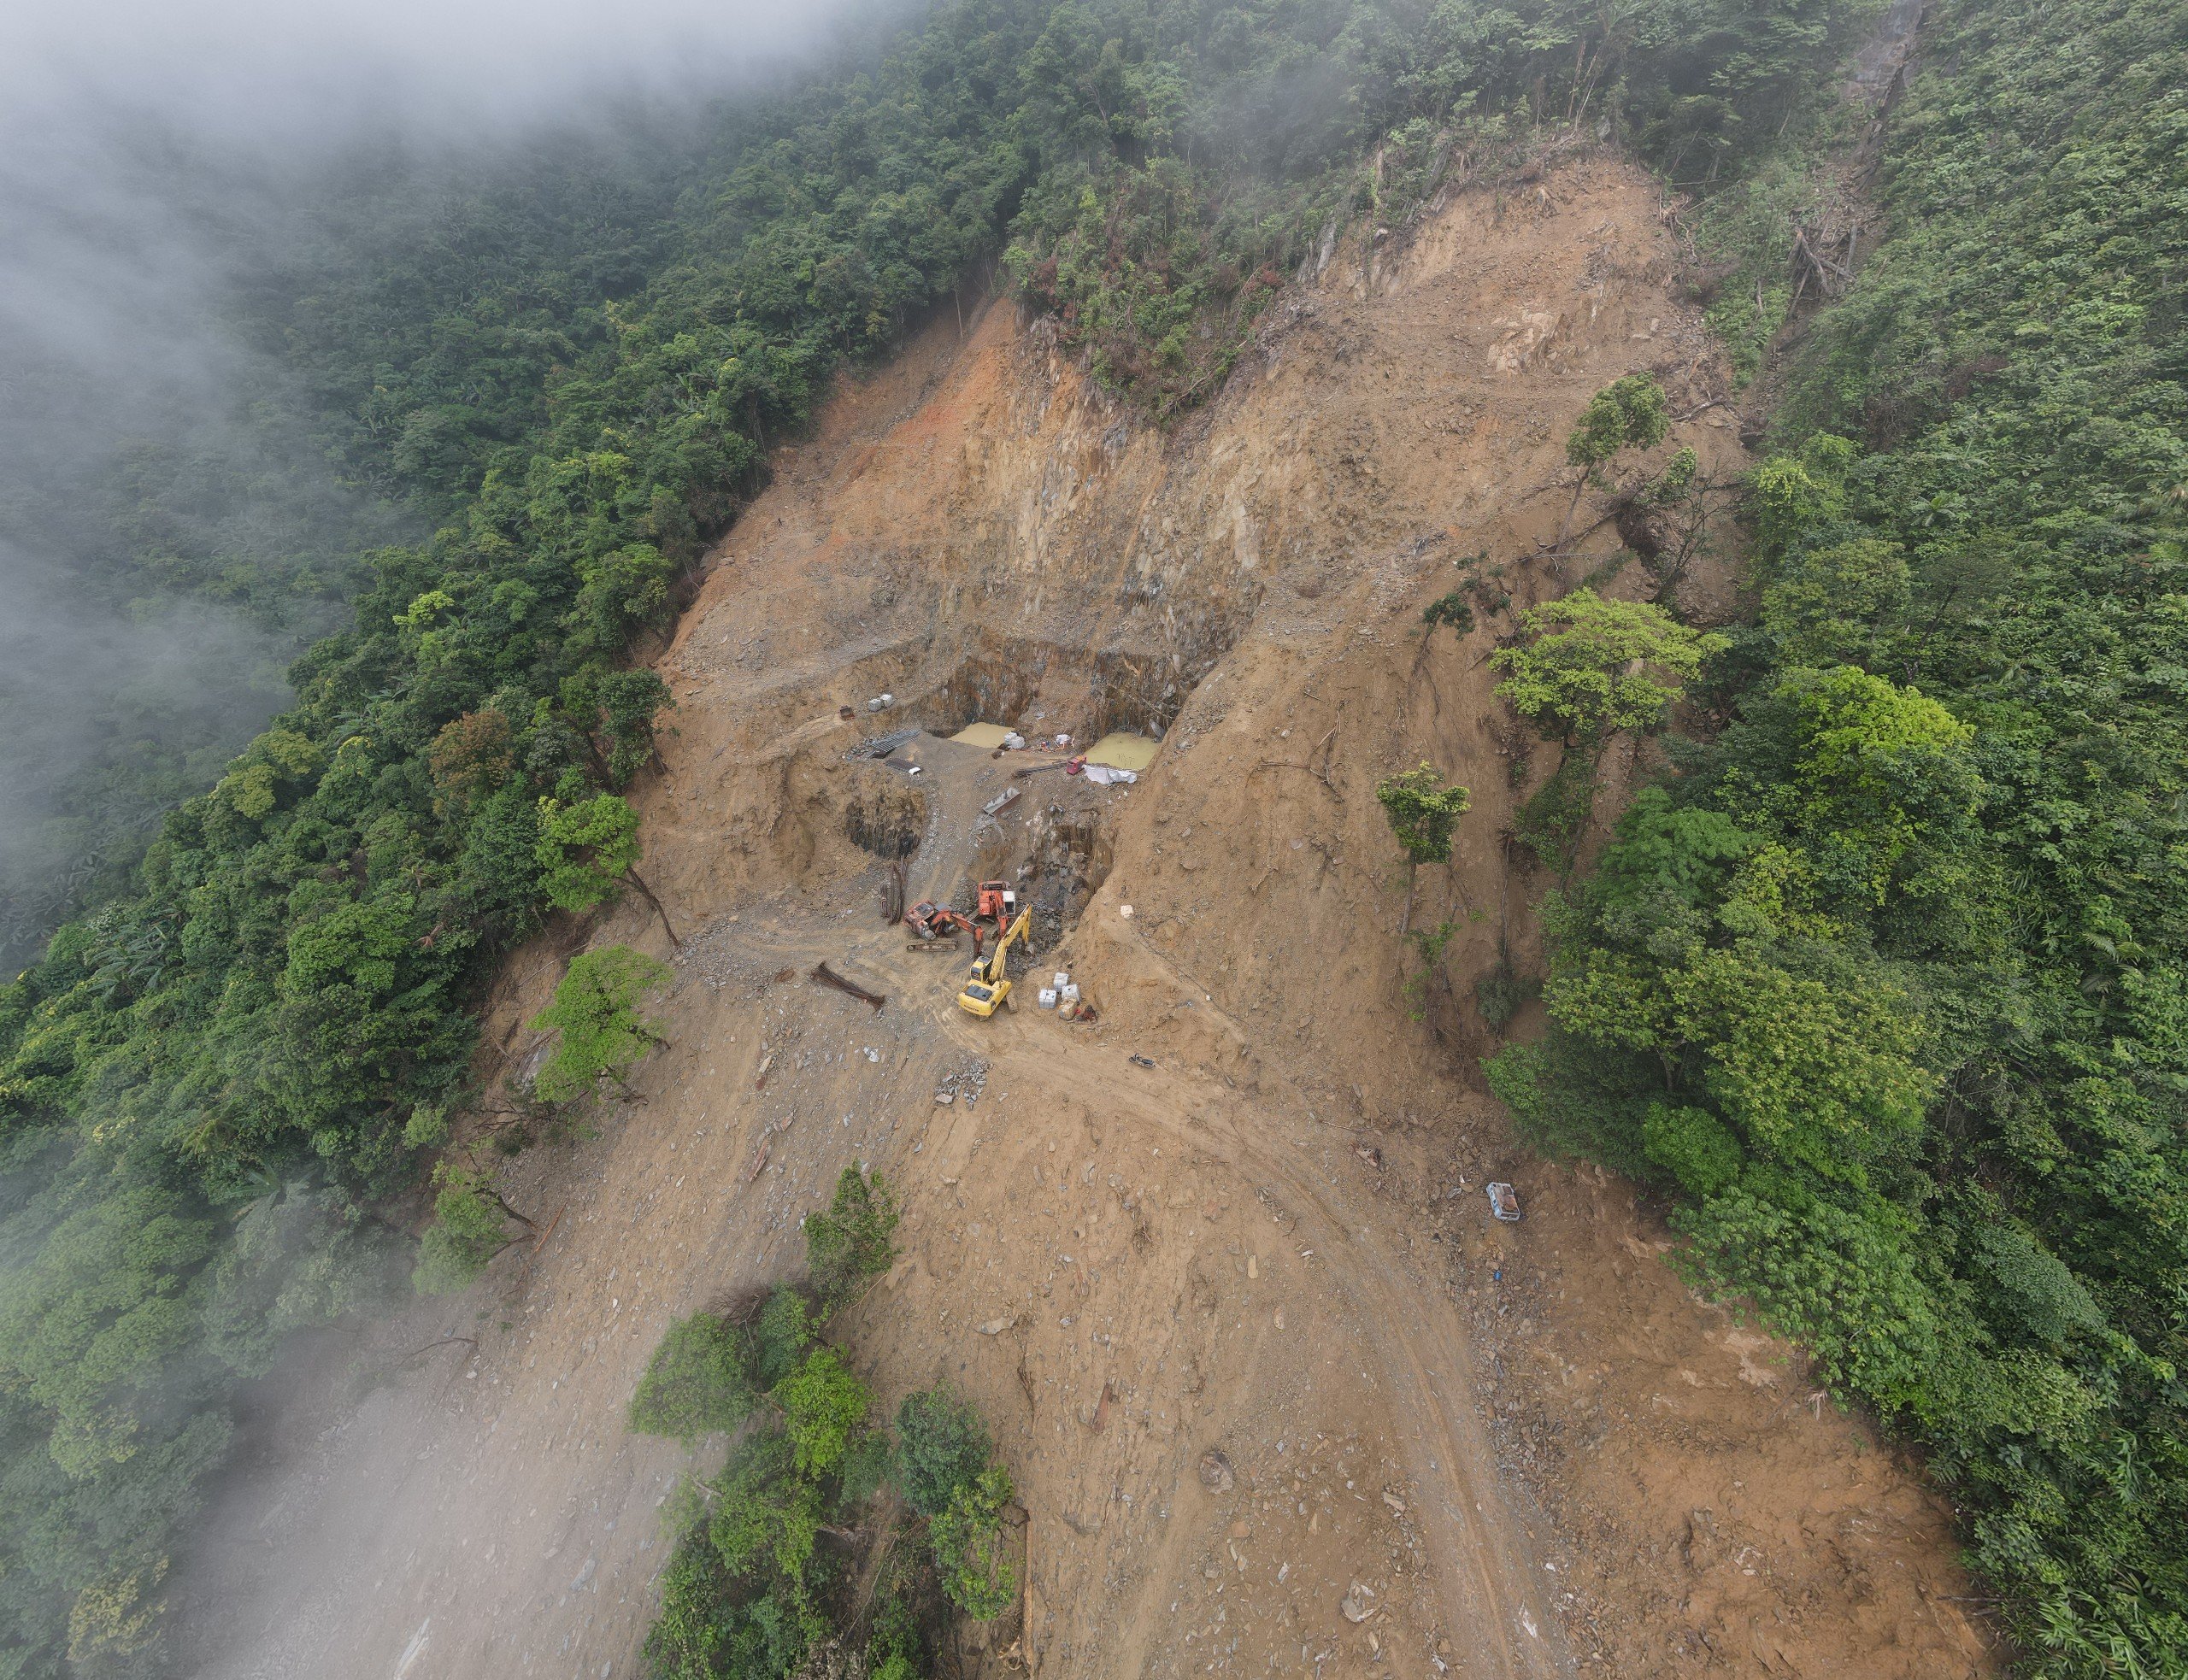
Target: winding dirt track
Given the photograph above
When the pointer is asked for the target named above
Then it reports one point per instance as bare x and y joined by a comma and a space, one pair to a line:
1422, 1347
1452, 1447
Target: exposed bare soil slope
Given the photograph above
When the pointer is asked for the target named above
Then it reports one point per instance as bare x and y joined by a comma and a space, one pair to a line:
1521, 1450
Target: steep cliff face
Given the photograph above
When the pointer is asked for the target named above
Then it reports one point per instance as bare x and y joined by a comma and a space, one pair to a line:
1243, 1214
982, 533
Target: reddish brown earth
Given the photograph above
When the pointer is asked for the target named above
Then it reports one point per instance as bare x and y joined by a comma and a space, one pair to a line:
1524, 1450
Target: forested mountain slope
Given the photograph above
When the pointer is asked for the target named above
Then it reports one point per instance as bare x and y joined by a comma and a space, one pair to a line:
198, 463
1887, 984
212, 1082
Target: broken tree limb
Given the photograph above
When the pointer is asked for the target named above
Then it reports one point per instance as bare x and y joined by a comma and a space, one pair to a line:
1320, 771
828, 977
668, 927
445, 1342
1020, 775
539, 1242
1823, 263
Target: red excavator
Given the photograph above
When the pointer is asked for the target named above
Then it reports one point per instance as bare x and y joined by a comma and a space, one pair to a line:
930, 920
997, 904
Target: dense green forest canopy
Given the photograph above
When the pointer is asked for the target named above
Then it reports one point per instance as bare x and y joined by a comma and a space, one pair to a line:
1888, 985
1883, 984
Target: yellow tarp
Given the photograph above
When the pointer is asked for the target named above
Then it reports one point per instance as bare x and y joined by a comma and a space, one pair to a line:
987, 735
1121, 749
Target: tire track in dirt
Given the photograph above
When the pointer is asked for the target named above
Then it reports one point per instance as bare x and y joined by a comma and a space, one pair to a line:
1488, 1596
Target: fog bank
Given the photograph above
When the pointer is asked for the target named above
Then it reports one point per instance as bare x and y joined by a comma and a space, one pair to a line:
155, 162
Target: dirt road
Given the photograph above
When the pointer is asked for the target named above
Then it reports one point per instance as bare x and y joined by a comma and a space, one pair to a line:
1279, 1396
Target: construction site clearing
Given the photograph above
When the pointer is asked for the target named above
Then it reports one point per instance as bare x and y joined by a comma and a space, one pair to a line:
1230, 1269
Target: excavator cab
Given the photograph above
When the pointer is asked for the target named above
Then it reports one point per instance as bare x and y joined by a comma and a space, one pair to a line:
987, 988
998, 903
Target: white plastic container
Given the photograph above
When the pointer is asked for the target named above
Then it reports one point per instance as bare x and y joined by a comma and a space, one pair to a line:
1069, 994
1063, 979
1014, 742
1046, 997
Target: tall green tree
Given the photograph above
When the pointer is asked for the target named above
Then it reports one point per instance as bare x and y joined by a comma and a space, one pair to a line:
1423, 810
587, 849
602, 1033
699, 1381
471, 1226
851, 1242
1631, 413
1590, 667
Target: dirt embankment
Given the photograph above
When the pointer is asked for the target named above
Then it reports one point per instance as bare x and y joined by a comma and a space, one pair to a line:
1446, 1447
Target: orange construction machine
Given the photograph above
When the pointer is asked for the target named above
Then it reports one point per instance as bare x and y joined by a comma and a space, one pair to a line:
930, 920
997, 904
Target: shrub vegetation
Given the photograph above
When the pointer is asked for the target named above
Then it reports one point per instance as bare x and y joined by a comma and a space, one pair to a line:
822, 1540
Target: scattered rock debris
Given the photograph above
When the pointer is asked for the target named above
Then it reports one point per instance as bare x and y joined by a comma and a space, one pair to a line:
967, 1083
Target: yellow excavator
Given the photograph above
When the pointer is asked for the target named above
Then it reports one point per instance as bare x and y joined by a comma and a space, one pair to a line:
987, 989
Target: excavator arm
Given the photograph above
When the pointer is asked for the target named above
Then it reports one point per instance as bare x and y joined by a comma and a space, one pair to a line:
987, 989
928, 919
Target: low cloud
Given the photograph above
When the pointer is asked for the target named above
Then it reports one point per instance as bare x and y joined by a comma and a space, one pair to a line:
149, 152
244, 70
